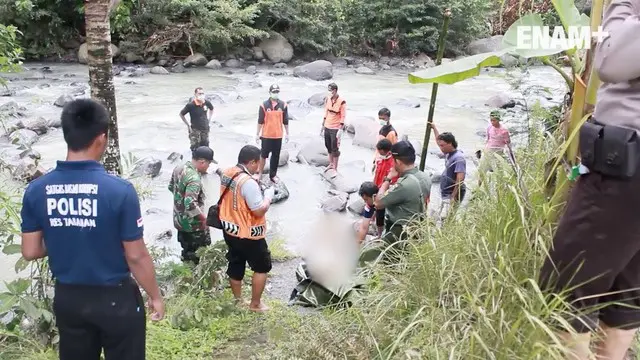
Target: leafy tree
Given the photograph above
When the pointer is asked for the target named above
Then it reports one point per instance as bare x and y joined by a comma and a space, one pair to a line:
10, 52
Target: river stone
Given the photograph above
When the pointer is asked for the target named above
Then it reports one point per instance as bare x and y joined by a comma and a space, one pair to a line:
336, 201
233, 63
30, 153
149, 166
174, 156
178, 68
385, 67
339, 182
365, 71
25, 169
318, 70
298, 108
277, 48
355, 204
257, 53
251, 69
55, 122
410, 103
159, 70
485, 45
280, 65
83, 53
196, 59
278, 73
317, 100
63, 100
349, 128
503, 101
12, 109
282, 161
314, 153
213, 65
39, 125
366, 133
163, 236
23, 137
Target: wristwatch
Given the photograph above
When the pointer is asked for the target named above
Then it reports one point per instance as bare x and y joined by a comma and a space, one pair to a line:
386, 179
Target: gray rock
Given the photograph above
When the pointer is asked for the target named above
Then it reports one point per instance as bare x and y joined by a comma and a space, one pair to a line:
12, 109
159, 70
385, 67
257, 53
138, 72
280, 65
339, 182
174, 156
282, 161
336, 201
366, 132
39, 125
410, 103
277, 48
55, 122
25, 169
485, 45
509, 60
251, 70
83, 53
278, 73
233, 63
23, 138
355, 204
365, 71
314, 153
394, 61
147, 167
503, 101
196, 59
349, 128
340, 62
298, 108
317, 99
133, 58
163, 236
318, 70
30, 153
214, 65
178, 68
423, 61
63, 100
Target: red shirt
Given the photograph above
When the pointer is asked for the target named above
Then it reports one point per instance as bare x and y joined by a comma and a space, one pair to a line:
383, 166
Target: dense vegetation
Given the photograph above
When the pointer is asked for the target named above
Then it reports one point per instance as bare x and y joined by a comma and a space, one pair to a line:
215, 27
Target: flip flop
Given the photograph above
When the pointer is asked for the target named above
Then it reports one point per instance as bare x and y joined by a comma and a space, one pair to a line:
262, 308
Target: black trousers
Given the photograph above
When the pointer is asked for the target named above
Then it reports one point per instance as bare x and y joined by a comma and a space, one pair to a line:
272, 147
241, 252
93, 318
191, 242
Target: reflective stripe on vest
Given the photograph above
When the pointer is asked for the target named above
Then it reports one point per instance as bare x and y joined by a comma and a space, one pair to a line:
236, 217
333, 118
273, 121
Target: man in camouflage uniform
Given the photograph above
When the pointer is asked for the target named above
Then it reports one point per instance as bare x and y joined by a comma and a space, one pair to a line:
189, 217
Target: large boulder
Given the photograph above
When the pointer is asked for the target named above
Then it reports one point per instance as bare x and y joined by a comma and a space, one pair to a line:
356, 204
282, 161
282, 192
196, 59
314, 153
339, 182
365, 71
298, 109
39, 125
276, 48
317, 100
366, 132
147, 167
62, 100
233, 63
485, 45
83, 53
23, 138
318, 70
159, 70
213, 64
503, 101
27, 169
336, 201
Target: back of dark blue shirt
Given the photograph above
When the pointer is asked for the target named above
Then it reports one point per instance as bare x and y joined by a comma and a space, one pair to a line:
84, 214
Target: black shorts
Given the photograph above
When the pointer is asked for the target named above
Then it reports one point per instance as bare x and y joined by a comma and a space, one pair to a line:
271, 146
380, 217
93, 318
596, 250
242, 251
331, 141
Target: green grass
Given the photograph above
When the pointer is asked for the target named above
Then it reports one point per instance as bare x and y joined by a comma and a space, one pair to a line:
279, 252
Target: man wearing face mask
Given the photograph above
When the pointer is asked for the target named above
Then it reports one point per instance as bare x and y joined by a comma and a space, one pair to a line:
89, 224
243, 210
188, 202
200, 113
387, 130
333, 123
273, 116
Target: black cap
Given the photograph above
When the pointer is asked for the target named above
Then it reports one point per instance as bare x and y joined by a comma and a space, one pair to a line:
274, 88
402, 149
333, 86
204, 153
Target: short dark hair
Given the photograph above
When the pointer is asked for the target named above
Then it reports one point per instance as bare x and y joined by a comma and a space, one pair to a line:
448, 138
404, 152
248, 153
384, 111
368, 188
196, 90
384, 145
82, 121
332, 86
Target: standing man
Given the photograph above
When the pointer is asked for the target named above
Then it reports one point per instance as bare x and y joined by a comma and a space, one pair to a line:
452, 186
273, 115
188, 203
594, 263
387, 131
242, 214
335, 110
200, 113
89, 224
497, 140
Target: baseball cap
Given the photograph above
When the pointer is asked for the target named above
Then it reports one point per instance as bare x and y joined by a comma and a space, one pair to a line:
204, 153
495, 114
274, 88
402, 149
333, 86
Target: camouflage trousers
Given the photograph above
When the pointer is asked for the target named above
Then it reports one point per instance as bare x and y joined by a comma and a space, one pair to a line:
191, 242
198, 138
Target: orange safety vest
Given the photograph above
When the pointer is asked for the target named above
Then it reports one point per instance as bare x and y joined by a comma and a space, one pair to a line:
273, 119
235, 215
332, 115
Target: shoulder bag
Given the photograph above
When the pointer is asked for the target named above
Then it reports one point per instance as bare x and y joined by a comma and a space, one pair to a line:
213, 216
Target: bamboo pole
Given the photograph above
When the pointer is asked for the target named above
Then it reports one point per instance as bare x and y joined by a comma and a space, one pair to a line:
434, 90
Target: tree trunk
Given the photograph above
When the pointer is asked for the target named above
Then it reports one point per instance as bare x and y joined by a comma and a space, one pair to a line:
101, 74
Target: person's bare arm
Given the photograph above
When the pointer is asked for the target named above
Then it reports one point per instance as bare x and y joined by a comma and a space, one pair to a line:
285, 118
364, 229
343, 114
33, 246
141, 266
613, 55
182, 114
210, 112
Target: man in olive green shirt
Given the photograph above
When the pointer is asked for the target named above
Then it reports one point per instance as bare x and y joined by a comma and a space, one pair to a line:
407, 197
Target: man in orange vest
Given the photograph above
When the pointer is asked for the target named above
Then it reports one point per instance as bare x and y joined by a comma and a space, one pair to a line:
273, 115
242, 213
335, 110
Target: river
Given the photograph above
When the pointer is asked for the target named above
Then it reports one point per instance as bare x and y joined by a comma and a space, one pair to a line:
149, 125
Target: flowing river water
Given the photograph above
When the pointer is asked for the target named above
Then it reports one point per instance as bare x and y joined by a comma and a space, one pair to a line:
149, 126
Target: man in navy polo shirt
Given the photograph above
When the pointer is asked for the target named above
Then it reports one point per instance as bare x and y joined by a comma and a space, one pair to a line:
89, 224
